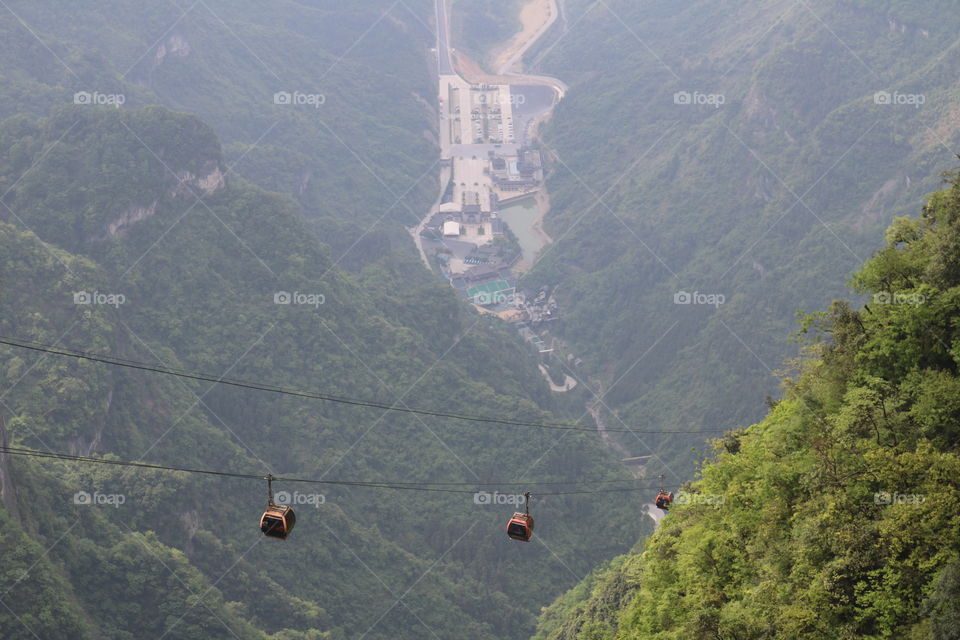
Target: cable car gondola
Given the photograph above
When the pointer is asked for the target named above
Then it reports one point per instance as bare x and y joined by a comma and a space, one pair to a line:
277, 520
664, 498
520, 526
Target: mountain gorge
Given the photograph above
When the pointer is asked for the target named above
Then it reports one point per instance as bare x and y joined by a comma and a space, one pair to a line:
837, 515
179, 214
749, 158
210, 217
749, 151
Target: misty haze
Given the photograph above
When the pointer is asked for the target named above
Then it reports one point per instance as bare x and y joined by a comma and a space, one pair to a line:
479, 320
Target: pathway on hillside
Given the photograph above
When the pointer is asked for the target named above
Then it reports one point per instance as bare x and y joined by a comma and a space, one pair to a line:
595, 408
568, 382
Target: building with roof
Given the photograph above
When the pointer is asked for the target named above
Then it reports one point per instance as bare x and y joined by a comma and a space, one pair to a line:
451, 229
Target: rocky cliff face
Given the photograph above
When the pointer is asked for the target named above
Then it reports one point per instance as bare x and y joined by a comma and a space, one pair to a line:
185, 184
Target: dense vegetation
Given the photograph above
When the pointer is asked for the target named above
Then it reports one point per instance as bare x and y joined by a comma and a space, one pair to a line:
770, 198
205, 194
198, 213
368, 64
838, 515
198, 281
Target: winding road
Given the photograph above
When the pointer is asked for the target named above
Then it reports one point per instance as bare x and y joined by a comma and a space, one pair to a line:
445, 64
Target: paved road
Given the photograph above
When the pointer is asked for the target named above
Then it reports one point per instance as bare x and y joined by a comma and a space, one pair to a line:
444, 63
415, 231
568, 382
480, 150
655, 514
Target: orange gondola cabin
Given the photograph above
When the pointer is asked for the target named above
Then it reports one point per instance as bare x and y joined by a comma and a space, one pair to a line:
520, 526
277, 520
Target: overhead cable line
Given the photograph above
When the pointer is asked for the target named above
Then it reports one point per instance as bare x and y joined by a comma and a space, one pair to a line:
243, 384
440, 487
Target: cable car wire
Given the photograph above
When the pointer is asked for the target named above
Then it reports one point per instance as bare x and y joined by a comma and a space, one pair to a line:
243, 384
431, 487
70, 457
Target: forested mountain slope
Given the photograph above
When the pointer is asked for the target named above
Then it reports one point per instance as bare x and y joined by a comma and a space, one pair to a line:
198, 284
749, 150
836, 516
169, 219
356, 75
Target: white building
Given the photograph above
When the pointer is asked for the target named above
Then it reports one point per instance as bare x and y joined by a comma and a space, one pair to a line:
451, 229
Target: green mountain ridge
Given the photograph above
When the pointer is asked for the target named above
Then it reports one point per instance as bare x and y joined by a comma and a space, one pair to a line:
815, 125
837, 515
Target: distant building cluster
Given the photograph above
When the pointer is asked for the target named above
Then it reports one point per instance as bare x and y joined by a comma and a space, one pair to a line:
535, 313
462, 236
455, 221
468, 218
540, 308
522, 172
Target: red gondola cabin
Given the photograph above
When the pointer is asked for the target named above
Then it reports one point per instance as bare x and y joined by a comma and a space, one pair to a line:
664, 500
520, 527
